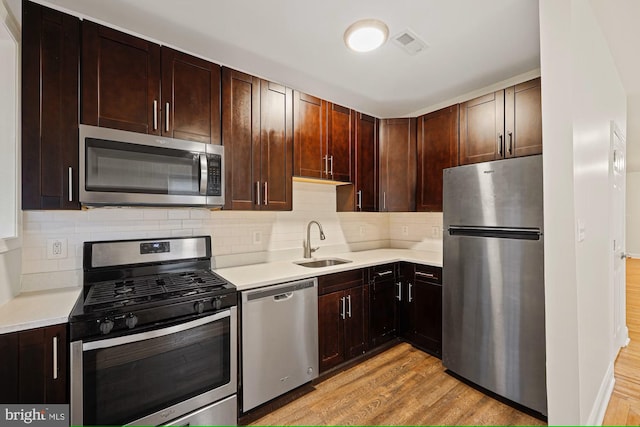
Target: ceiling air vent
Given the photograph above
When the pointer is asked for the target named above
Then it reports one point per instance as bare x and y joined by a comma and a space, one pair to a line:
409, 42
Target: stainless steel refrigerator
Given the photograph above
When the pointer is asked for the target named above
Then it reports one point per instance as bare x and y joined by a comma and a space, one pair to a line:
493, 330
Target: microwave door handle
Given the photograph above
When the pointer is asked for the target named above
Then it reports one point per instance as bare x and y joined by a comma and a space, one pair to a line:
204, 166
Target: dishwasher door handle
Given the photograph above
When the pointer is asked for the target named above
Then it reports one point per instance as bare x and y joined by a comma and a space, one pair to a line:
282, 297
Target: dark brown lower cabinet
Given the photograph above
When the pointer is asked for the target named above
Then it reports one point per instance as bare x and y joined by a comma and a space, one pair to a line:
342, 324
422, 303
383, 309
34, 366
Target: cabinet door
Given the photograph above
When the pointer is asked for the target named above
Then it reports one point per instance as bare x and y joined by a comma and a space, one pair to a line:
276, 141
310, 136
366, 164
9, 367
437, 150
402, 302
355, 324
482, 128
397, 191
331, 329
42, 373
241, 139
120, 80
523, 119
383, 311
426, 314
190, 97
50, 57
341, 133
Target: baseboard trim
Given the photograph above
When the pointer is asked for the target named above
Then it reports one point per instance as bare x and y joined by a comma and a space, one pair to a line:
602, 399
630, 255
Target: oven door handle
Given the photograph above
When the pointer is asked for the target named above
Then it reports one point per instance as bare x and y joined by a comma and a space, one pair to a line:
128, 339
204, 168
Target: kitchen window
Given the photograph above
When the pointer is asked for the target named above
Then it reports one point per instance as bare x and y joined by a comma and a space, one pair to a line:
9, 129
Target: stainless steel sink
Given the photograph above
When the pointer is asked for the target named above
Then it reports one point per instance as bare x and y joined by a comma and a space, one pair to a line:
324, 262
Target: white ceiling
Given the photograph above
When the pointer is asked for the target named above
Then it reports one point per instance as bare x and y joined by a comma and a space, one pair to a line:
472, 43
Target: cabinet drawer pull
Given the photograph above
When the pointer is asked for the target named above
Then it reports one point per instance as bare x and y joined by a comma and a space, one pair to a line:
349, 309
510, 142
55, 358
410, 296
384, 273
359, 204
384, 200
326, 165
427, 275
331, 169
343, 311
70, 184
500, 143
155, 114
399, 296
166, 117
258, 193
266, 193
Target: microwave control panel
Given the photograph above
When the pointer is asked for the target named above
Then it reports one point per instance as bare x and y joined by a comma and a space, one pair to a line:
214, 175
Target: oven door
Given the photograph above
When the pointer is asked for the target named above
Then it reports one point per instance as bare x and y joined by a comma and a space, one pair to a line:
153, 377
126, 168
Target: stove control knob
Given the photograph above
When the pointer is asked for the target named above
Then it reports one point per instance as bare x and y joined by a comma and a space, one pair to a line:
131, 321
217, 303
198, 307
106, 326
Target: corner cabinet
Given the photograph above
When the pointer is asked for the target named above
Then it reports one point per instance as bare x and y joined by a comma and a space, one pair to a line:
135, 85
342, 323
397, 165
503, 124
257, 133
50, 63
437, 137
366, 152
383, 311
35, 366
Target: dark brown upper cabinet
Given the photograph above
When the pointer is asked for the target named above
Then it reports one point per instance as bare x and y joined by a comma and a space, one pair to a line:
523, 119
437, 150
506, 123
310, 134
132, 84
366, 156
257, 133
120, 80
50, 63
190, 97
397, 163
323, 139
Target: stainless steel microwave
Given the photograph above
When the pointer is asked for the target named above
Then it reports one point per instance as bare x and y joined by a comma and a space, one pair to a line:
126, 168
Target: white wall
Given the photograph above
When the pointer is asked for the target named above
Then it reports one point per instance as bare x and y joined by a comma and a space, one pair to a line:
633, 176
581, 94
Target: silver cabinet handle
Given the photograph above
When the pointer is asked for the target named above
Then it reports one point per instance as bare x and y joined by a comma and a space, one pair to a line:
342, 313
166, 117
399, 296
326, 164
203, 174
331, 171
70, 184
427, 275
410, 296
258, 193
155, 114
359, 204
349, 309
384, 273
500, 143
510, 142
266, 193
384, 200
55, 358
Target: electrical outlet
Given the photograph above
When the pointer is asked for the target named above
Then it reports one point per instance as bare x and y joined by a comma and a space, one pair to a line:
56, 248
362, 230
435, 231
257, 237
405, 230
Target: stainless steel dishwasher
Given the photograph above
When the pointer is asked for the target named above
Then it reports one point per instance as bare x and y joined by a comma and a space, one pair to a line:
279, 340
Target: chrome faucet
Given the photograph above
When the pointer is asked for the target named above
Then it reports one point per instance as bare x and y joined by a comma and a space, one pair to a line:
308, 250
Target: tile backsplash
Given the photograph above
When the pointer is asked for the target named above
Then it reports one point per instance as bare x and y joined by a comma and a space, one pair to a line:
238, 237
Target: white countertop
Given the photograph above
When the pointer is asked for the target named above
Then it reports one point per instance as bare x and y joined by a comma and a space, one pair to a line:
37, 309
257, 275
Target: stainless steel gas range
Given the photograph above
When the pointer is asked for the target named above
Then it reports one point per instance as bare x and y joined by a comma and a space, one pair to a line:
153, 336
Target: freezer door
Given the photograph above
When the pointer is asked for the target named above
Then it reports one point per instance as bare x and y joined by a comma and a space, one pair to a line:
493, 313
504, 193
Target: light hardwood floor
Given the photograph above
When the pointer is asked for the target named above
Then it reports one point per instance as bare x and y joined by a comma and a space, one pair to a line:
624, 406
401, 386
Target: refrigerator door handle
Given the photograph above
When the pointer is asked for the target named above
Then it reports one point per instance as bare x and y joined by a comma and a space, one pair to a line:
497, 232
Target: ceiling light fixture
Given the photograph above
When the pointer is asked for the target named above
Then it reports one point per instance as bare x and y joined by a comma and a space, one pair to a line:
366, 35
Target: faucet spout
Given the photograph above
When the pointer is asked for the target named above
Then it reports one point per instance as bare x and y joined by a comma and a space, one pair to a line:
308, 250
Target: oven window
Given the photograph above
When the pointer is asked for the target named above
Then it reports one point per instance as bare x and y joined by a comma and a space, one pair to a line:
130, 381
132, 168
